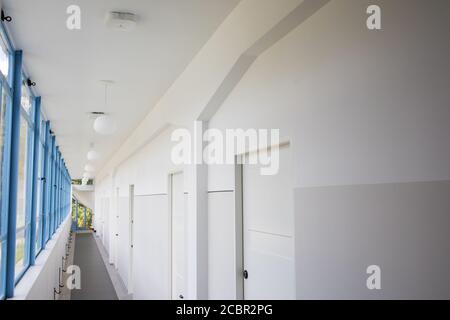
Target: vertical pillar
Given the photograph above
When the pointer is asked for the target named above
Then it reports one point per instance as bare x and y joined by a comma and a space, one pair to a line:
197, 218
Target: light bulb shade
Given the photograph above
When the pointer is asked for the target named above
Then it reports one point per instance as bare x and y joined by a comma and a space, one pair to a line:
89, 168
105, 125
93, 155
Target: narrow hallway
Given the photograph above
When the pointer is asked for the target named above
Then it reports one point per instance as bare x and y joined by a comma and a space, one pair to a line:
95, 281
247, 151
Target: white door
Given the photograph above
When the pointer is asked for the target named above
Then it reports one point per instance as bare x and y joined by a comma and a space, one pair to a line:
268, 229
112, 225
107, 228
178, 237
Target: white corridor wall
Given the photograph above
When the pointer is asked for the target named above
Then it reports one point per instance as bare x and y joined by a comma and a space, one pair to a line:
359, 108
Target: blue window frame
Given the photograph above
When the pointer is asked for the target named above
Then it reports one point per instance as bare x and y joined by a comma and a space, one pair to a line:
24, 181
35, 185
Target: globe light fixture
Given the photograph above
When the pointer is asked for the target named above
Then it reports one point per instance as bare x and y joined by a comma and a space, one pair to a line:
105, 125
89, 168
93, 155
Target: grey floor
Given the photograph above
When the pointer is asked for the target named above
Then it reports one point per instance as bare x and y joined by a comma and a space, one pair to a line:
95, 281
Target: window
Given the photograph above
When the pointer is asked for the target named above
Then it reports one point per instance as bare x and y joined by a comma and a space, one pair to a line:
25, 100
24, 184
40, 189
22, 221
37, 197
48, 188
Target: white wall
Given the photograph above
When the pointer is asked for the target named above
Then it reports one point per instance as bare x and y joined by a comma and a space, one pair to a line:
355, 109
358, 106
40, 280
148, 170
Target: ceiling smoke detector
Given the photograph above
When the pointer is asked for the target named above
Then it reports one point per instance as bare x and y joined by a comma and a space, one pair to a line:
121, 20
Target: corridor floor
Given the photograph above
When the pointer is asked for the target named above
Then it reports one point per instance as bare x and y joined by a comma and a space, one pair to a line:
95, 281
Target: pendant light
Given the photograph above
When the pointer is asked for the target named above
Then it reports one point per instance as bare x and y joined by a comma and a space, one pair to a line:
89, 168
105, 124
92, 155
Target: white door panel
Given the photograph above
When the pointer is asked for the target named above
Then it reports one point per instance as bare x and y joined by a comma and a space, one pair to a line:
269, 261
268, 222
151, 268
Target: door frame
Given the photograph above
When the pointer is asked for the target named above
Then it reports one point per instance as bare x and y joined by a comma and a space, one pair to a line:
131, 237
170, 219
116, 228
239, 212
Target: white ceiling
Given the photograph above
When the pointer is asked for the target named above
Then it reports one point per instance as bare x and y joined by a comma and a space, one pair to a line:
143, 63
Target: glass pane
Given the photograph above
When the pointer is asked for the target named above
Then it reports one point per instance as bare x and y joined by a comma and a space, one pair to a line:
25, 101
20, 252
21, 192
80, 219
74, 213
48, 187
21, 186
4, 59
39, 198
88, 218
38, 234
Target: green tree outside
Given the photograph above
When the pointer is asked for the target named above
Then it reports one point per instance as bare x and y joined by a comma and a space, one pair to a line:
79, 216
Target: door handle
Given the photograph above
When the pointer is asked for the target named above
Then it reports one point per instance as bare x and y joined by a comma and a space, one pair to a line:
245, 274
